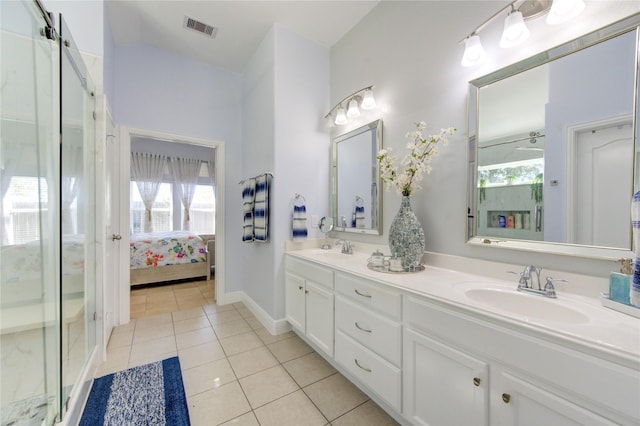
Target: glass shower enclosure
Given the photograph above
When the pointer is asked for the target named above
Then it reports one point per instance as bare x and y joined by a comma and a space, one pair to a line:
47, 217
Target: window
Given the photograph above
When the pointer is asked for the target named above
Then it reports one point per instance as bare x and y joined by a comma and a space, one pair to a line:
161, 213
25, 199
203, 209
168, 212
514, 173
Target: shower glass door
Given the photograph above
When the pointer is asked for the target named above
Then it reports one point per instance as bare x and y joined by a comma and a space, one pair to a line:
29, 320
77, 215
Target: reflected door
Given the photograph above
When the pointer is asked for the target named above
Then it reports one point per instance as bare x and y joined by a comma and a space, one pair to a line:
604, 161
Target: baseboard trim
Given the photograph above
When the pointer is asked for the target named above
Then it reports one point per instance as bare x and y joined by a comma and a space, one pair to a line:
274, 327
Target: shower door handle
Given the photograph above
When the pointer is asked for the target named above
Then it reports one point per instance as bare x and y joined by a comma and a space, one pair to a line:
116, 237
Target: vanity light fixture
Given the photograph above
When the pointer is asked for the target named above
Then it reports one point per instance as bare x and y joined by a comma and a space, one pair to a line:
352, 110
515, 29
363, 98
563, 10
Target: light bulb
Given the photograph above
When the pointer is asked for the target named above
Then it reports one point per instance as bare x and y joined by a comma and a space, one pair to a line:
563, 10
352, 110
515, 30
368, 102
341, 118
473, 51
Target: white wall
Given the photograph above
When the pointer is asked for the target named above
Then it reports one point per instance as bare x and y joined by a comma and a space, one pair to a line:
285, 93
411, 52
159, 91
85, 20
302, 142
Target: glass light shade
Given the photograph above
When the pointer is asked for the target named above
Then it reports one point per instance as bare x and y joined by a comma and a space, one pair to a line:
341, 117
515, 30
473, 51
368, 102
352, 110
563, 10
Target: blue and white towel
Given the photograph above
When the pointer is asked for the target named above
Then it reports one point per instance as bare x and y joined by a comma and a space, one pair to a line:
248, 199
261, 209
634, 293
359, 217
299, 221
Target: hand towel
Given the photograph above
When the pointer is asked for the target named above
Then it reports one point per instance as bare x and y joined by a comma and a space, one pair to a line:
299, 221
261, 209
634, 293
248, 199
359, 217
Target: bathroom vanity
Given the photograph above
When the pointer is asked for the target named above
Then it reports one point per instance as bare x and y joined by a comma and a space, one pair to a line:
446, 347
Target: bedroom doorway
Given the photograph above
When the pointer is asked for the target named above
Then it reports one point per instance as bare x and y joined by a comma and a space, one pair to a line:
167, 213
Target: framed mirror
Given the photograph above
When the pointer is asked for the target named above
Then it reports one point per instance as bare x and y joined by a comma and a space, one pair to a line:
552, 148
356, 199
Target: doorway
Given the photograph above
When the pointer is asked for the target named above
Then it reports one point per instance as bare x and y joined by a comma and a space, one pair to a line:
132, 138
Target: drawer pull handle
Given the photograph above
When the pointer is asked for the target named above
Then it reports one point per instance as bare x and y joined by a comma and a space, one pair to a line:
368, 370
362, 294
360, 328
506, 398
476, 381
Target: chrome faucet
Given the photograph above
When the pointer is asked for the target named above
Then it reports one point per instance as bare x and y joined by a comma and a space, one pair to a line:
526, 282
347, 247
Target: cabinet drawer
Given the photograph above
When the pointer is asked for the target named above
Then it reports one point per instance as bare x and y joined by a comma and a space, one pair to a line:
385, 300
376, 332
310, 271
374, 372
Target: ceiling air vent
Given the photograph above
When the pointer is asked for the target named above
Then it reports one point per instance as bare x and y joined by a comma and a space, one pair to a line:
204, 29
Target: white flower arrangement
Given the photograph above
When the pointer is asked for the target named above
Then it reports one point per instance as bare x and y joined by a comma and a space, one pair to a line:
416, 162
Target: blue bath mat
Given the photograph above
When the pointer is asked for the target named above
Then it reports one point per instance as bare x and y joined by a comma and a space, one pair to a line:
151, 394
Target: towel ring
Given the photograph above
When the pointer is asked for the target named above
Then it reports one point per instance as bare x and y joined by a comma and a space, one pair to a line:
299, 197
359, 201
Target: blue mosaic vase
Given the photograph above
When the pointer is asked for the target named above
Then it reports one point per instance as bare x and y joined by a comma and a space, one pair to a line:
406, 236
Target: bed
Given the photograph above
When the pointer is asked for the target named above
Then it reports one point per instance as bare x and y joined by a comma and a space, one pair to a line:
167, 256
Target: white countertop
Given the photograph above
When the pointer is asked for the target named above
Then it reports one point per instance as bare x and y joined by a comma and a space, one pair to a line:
590, 327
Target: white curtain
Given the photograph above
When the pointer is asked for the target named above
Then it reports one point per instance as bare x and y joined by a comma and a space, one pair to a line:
147, 170
185, 175
212, 175
72, 167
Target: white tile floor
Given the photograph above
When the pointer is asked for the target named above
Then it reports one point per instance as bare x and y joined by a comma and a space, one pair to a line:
236, 372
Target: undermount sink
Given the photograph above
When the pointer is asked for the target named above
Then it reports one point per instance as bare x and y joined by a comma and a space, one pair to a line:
525, 305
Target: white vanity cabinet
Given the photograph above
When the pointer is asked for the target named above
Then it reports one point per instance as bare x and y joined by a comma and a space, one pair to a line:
369, 335
459, 368
430, 360
443, 385
309, 301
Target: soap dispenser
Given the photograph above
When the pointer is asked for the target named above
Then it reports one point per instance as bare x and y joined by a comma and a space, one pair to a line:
620, 282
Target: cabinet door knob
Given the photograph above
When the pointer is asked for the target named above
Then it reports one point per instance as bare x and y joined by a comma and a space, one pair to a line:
506, 398
476, 381
299, 287
306, 292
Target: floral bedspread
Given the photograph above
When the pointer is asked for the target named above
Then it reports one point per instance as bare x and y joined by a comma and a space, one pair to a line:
23, 262
166, 248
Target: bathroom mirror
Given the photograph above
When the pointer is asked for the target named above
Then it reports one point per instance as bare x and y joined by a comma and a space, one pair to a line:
355, 189
552, 152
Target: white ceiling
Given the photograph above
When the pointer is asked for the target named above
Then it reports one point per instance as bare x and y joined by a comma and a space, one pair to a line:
242, 25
